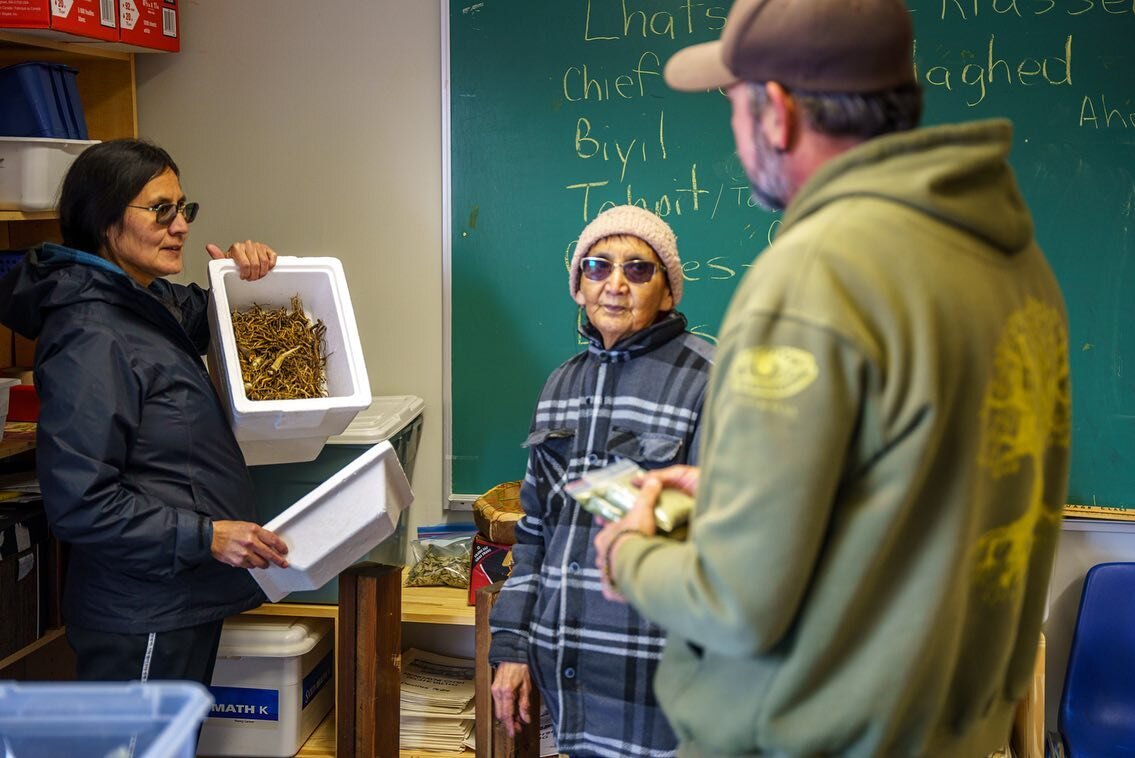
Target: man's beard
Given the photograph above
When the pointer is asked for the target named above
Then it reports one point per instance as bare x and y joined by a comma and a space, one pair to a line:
770, 186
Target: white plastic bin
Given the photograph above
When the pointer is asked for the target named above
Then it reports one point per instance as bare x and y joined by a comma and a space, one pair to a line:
32, 168
151, 720
273, 684
286, 431
337, 523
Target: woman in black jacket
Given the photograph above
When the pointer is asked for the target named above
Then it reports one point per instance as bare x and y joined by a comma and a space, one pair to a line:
138, 465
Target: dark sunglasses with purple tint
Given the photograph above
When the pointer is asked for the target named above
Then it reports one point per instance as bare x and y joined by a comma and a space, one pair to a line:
636, 272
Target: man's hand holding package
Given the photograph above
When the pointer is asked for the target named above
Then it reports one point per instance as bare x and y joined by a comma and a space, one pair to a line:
639, 520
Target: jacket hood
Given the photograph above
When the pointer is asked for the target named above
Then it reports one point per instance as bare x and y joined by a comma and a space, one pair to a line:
958, 174
53, 276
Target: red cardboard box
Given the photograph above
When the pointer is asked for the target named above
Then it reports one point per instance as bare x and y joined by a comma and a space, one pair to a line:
490, 561
149, 23
95, 19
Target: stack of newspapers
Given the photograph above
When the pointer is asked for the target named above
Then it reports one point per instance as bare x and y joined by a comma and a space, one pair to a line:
436, 702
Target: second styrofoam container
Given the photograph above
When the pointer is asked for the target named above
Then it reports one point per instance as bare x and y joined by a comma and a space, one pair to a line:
288, 431
338, 522
32, 168
397, 418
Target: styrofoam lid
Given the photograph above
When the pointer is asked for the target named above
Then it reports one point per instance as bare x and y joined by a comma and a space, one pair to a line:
386, 416
271, 636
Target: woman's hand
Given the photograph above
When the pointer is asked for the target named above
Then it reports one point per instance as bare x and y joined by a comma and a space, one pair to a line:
254, 258
512, 687
247, 545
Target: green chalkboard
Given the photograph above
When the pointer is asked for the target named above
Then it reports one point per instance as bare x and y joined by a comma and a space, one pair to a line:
558, 110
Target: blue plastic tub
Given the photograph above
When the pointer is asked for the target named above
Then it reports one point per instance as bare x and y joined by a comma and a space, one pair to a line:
41, 100
62, 720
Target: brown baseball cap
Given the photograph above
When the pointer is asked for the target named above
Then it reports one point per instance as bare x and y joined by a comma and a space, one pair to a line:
811, 45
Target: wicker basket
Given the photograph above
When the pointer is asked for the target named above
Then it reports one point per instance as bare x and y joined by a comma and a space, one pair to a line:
497, 511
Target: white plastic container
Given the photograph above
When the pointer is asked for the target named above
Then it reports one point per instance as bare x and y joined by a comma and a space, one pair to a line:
338, 522
397, 418
5, 395
32, 168
288, 431
273, 684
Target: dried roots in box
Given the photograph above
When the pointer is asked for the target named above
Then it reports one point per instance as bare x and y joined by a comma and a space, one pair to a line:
282, 353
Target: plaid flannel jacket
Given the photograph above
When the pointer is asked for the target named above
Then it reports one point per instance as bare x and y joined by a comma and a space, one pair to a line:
592, 659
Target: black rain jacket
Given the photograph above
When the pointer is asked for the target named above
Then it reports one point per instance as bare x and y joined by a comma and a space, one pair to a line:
134, 450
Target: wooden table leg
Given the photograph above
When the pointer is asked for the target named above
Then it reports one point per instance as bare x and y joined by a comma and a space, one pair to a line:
370, 660
492, 740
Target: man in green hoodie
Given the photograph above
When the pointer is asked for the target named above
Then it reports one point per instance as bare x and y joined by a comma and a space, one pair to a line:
886, 451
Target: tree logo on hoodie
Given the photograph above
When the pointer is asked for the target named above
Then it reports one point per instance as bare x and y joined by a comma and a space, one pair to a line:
1026, 413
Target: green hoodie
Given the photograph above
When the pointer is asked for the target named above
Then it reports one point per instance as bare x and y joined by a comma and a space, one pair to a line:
884, 468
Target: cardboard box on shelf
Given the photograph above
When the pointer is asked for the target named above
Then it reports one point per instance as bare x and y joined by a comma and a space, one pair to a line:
490, 562
151, 24
94, 19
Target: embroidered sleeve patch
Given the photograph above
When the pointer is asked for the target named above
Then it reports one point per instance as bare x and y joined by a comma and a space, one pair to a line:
772, 373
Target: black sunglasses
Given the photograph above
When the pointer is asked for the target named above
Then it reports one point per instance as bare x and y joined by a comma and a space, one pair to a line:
165, 213
636, 272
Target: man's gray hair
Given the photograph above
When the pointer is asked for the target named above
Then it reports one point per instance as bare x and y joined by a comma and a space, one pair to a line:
840, 114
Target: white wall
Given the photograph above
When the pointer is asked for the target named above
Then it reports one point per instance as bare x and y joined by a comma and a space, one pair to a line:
316, 127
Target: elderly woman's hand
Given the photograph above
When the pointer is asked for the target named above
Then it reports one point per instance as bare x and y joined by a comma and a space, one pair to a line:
512, 688
254, 258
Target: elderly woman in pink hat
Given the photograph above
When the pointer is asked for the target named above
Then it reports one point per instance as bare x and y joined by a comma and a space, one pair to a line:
635, 393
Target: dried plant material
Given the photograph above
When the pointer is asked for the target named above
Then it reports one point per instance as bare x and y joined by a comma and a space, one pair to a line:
440, 565
282, 354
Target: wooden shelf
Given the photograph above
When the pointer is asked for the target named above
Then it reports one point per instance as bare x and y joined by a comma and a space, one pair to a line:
51, 636
28, 215
46, 39
19, 437
105, 82
423, 605
321, 744
436, 605
303, 610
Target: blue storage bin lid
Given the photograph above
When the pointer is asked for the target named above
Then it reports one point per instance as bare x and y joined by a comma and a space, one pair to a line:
385, 417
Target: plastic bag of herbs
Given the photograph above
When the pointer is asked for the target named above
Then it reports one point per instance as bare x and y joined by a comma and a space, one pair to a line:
441, 563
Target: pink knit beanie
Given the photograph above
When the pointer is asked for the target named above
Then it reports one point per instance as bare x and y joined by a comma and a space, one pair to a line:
637, 222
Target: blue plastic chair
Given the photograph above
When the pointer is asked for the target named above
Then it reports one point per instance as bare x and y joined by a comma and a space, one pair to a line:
1097, 709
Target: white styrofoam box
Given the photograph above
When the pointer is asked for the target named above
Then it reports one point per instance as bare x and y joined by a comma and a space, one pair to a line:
338, 522
288, 431
5, 396
32, 168
386, 416
273, 684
